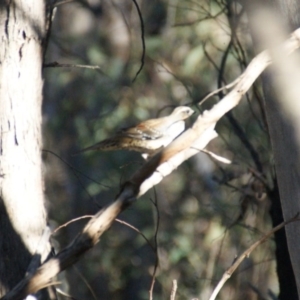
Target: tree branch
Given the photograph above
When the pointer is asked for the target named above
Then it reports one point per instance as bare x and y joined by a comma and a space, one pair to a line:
150, 174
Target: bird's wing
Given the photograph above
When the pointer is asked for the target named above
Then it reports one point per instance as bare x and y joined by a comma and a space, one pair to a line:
124, 143
141, 131
149, 130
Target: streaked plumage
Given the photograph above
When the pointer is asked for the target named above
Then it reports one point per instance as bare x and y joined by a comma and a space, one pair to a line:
148, 136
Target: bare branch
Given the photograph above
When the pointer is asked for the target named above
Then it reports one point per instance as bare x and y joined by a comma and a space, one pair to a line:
174, 289
69, 222
156, 249
150, 174
55, 64
246, 253
142, 38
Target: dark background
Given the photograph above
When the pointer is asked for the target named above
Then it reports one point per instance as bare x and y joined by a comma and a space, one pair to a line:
208, 212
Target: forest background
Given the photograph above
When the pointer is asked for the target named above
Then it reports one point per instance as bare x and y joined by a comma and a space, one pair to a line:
112, 64
208, 211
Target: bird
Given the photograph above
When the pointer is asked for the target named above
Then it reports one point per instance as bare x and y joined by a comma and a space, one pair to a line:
147, 137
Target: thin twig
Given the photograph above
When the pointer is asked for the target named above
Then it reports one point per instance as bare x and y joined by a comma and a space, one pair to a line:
155, 246
226, 87
142, 38
174, 289
117, 220
55, 64
74, 169
85, 282
69, 222
138, 231
246, 253
149, 175
63, 2
59, 291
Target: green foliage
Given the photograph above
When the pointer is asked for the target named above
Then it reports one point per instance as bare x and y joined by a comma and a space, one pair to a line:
208, 212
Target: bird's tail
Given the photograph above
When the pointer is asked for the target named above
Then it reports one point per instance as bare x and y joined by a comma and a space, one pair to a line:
106, 145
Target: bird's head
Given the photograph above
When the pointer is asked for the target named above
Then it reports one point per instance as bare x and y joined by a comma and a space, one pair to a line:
183, 112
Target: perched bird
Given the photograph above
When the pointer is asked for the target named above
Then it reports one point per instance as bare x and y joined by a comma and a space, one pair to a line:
147, 137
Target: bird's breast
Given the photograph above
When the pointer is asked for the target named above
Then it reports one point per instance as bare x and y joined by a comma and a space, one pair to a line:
175, 129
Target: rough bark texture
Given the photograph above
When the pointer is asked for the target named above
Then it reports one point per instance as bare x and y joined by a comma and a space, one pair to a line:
283, 133
22, 212
287, 161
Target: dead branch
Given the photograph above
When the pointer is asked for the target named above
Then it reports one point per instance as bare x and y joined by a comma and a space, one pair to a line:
150, 174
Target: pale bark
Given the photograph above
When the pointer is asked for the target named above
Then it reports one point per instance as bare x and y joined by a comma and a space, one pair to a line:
166, 161
281, 89
22, 211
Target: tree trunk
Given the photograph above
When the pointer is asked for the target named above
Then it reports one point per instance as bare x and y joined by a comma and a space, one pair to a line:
22, 211
284, 134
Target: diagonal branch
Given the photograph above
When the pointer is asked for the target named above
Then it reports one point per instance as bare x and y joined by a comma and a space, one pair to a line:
150, 174
247, 253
